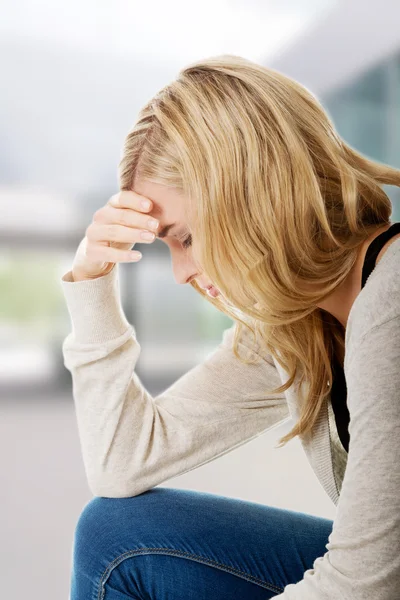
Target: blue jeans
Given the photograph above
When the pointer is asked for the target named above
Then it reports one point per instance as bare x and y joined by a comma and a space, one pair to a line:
176, 544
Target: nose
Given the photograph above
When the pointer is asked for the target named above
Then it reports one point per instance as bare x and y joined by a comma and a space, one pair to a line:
184, 268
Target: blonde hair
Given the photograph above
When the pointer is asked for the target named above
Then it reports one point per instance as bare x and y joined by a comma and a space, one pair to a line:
276, 200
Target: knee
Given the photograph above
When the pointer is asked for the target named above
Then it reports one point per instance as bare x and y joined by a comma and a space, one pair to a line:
98, 536
91, 524
103, 520
106, 522
92, 515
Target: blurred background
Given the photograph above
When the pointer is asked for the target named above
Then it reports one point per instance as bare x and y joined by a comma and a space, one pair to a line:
74, 75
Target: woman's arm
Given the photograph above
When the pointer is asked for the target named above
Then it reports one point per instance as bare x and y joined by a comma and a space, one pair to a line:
131, 441
363, 557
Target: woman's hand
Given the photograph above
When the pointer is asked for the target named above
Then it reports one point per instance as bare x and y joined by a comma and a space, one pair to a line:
114, 230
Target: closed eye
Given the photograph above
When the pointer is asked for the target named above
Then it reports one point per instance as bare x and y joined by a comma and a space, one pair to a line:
187, 242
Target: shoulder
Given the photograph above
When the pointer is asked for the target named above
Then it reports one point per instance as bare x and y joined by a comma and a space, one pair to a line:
378, 301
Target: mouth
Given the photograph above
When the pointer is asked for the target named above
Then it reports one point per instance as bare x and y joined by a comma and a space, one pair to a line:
212, 291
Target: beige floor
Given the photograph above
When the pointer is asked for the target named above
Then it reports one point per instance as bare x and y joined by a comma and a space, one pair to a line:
44, 489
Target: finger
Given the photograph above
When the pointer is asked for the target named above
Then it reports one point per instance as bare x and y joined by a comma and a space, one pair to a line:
112, 255
123, 216
130, 199
107, 232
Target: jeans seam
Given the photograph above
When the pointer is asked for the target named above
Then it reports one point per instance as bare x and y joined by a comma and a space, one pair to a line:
198, 558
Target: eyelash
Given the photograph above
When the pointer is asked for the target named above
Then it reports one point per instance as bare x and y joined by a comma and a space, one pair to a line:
187, 242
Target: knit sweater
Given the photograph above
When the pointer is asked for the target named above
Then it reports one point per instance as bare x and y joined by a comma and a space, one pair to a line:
131, 441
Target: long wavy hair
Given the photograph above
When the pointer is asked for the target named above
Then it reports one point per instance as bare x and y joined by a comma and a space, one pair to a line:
275, 200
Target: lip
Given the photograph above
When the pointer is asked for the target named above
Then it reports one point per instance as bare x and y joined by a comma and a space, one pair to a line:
212, 291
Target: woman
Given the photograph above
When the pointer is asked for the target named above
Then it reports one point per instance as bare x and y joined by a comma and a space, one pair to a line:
258, 197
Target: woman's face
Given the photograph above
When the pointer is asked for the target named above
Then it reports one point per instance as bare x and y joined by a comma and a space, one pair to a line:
169, 209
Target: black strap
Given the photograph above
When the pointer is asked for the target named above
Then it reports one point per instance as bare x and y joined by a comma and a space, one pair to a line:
374, 248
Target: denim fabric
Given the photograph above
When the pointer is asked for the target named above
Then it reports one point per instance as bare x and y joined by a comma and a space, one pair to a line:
176, 544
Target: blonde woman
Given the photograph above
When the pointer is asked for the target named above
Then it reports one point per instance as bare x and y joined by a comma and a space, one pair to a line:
275, 220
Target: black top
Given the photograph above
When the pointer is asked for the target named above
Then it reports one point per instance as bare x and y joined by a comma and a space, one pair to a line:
339, 388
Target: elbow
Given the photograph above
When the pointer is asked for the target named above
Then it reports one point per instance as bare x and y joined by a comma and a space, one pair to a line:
107, 486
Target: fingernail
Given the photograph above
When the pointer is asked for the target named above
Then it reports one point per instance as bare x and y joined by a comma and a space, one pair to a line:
145, 204
152, 223
147, 235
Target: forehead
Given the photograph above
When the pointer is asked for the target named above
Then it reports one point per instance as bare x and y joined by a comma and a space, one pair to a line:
168, 203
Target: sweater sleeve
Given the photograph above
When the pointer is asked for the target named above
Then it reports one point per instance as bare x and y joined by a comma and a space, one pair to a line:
363, 557
131, 441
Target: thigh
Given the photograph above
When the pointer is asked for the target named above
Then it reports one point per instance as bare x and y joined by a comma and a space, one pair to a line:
176, 544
